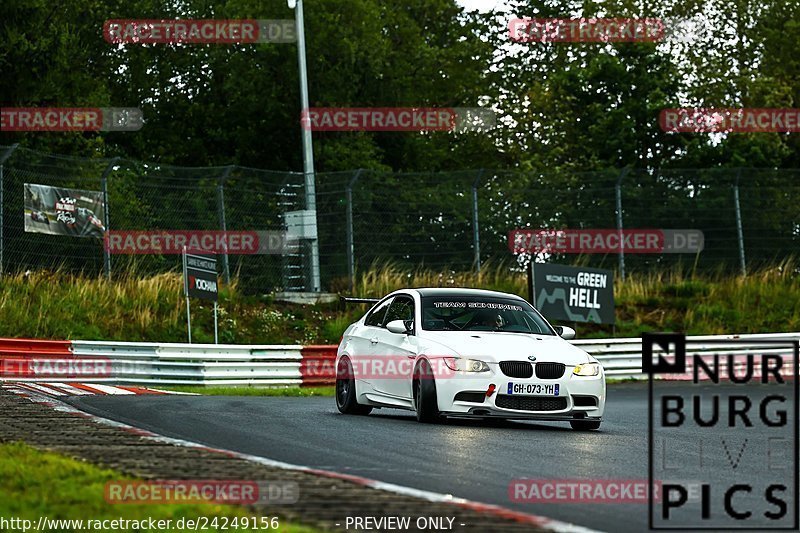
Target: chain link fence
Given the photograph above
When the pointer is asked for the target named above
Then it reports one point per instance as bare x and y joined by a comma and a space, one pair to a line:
454, 220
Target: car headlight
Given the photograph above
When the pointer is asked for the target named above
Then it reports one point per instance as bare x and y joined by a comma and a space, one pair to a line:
465, 365
587, 369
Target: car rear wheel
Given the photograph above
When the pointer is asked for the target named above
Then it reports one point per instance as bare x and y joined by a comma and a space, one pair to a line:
346, 390
427, 406
584, 425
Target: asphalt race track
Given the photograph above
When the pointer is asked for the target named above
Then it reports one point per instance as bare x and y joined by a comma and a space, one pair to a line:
468, 458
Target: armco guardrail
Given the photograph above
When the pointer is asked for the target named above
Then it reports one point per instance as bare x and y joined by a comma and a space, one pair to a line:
150, 363
231, 364
622, 358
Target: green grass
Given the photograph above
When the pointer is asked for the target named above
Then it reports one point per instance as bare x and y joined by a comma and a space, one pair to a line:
62, 306
253, 391
35, 483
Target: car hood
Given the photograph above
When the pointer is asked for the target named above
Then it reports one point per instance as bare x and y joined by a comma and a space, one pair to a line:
494, 347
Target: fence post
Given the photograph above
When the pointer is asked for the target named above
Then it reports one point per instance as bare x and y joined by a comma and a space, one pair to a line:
106, 223
618, 192
351, 260
226, 268
3, 158
476, 236
739, 230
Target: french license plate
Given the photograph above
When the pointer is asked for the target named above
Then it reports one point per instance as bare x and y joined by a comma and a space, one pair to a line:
533, 389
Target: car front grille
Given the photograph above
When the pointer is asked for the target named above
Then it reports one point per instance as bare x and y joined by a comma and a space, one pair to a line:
516, 369
549, 370
530, 403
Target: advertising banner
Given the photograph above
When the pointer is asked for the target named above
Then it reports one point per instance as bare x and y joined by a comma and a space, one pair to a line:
575, 294
200, 275
60, 211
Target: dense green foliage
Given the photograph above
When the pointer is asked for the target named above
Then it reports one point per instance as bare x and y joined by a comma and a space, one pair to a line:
562, 106
573, 119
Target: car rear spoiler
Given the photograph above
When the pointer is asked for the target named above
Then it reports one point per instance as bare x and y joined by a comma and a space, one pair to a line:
346, 300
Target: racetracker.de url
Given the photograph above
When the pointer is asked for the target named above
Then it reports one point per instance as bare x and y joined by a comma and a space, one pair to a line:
46, 524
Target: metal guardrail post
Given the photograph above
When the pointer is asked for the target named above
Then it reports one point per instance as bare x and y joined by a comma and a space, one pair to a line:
476, 236
618, 192
351, 260
3, 159
739, 229
226, 268
106, 223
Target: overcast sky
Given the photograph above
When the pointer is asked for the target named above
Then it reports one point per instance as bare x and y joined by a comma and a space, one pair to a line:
481, 5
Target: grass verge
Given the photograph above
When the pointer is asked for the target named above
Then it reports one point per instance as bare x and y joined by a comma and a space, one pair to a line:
35, 483
252, 391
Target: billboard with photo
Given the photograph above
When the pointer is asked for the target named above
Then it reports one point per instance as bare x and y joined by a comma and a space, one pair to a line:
61, 211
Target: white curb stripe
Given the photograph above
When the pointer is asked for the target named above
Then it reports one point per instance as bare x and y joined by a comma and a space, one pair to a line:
66, 387
42, 387
108, 389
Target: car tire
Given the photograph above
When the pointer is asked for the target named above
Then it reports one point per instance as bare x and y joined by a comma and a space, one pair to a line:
345, 391
585, 425
425, 400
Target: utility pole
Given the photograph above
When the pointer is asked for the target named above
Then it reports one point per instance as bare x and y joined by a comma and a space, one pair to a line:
308, 150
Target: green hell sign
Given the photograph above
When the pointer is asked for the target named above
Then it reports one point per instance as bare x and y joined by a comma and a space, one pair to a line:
574, 294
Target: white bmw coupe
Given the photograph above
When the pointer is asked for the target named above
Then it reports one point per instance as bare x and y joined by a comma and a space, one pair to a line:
466, 353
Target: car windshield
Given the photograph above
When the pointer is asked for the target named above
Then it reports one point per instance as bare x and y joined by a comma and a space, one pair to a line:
446, 313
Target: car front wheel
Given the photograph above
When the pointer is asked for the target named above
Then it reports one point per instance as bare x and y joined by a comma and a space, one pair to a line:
425, 400
346, 390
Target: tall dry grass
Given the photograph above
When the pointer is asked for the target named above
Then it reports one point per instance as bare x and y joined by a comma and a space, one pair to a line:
59, 305
673, 299
46, 304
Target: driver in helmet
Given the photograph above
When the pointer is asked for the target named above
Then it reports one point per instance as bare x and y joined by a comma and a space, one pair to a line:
491, 319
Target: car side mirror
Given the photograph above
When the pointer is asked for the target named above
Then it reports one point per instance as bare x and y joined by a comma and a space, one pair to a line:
398, 326
565, 332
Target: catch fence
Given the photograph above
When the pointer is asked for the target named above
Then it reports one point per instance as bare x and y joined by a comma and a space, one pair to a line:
438, 220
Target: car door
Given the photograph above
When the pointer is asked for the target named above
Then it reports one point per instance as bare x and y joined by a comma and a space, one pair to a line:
364, 340
397, 351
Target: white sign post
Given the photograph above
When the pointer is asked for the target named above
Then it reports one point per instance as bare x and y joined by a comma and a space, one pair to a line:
200, 281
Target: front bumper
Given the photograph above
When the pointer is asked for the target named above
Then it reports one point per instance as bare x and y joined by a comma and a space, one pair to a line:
519, 415
589, 392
